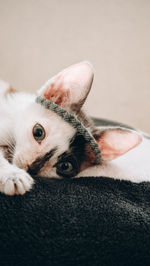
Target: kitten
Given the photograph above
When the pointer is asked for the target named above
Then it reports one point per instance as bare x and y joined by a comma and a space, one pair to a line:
36, 141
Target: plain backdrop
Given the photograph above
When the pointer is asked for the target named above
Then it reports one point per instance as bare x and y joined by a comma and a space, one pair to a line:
38, 38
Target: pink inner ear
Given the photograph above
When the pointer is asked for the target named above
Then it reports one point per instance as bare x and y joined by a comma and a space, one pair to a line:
116, 142
70, 86
57, 93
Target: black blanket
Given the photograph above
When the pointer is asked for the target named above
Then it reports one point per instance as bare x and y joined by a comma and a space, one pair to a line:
86, 221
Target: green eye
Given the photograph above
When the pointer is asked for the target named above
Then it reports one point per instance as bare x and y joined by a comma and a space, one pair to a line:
38, 133
67, 167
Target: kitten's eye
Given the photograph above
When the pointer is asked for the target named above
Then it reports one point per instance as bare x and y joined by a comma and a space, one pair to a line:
67, 168
38, 133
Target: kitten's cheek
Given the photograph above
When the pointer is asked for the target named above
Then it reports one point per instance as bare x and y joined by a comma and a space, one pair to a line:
25, 167
17, 161
48, 172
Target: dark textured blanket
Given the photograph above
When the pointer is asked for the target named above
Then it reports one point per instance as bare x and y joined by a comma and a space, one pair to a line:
86, 221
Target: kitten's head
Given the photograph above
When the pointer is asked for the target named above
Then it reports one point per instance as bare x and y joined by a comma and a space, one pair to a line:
48, 146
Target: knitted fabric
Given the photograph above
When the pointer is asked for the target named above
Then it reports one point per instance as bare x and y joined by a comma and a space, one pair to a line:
72, 120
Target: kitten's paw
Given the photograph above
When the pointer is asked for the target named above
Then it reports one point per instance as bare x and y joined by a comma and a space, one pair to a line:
16, 182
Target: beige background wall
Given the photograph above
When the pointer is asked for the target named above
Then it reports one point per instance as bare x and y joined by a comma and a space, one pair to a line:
40, 37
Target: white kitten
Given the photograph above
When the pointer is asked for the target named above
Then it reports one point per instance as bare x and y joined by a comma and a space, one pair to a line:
37, 141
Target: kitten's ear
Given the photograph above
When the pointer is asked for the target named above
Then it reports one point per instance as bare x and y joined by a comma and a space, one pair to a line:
70, 87
5, 88
115, 142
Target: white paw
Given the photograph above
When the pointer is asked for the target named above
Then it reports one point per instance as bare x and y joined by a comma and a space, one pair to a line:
16, 181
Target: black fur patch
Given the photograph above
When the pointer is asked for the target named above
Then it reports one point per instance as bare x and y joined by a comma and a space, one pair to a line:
36, 166
75, 155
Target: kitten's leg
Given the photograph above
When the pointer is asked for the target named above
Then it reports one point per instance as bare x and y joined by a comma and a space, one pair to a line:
13, 180
5, 88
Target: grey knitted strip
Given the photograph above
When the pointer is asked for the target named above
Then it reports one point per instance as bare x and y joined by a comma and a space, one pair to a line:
71, 119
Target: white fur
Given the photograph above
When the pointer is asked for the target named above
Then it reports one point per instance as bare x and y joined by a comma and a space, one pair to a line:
13, 180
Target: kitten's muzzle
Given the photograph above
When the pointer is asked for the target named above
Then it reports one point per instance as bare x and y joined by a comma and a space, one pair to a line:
39, 163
